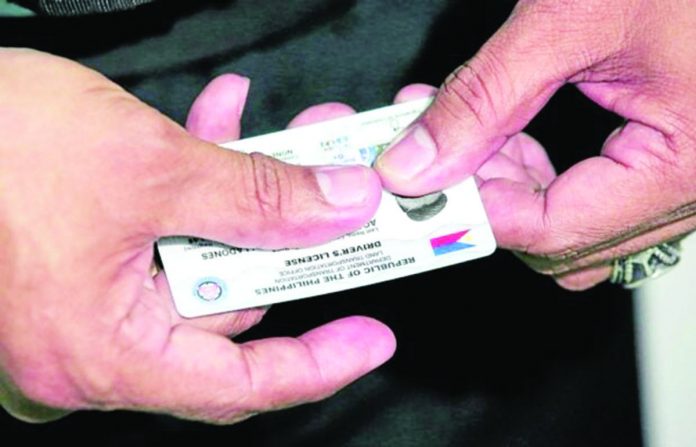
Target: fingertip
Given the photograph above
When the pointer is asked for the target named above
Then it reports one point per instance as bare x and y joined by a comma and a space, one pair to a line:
382, 340
515, 211
353, 191
350, 347
230, 88
354, 217
414, 91
321, 112
415, 163
527, 151
402, 165
502, 166
584, 279
216, 113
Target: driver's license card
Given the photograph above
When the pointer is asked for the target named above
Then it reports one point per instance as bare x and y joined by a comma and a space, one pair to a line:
406, 236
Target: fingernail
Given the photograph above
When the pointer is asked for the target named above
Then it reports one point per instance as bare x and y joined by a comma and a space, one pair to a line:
343, 186
410, 153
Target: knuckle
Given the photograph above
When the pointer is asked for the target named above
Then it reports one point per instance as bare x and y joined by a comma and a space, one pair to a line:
463, 93
268, 188
468, 90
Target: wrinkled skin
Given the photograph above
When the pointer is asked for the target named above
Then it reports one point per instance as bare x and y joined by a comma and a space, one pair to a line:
90, 178
636, 58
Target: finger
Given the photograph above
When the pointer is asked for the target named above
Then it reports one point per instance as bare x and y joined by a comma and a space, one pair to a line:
495, 95
584, 279
531, 156
204, 376
523, 160
333, 110
321, 112
254, 200
215, 115
414, 91
229, 324
234, 323
602, 208
502, 166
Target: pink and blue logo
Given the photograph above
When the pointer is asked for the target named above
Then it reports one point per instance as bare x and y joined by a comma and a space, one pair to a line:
449, 243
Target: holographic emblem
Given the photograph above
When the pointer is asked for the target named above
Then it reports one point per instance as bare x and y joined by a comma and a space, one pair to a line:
210, 289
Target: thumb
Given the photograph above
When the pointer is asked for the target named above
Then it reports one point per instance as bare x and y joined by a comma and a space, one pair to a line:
493, 96
256, 201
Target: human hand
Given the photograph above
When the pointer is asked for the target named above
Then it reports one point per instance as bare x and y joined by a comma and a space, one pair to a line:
90, 178
635, 58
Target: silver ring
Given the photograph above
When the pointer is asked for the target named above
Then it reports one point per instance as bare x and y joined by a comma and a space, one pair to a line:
634, 270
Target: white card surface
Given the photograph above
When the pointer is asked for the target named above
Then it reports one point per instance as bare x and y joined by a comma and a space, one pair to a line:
405, 237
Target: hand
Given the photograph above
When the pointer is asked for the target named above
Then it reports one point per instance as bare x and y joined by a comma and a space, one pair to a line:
635, 58
90, 178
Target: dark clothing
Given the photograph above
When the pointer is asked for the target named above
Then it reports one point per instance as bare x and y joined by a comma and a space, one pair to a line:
80, 7
522, 363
